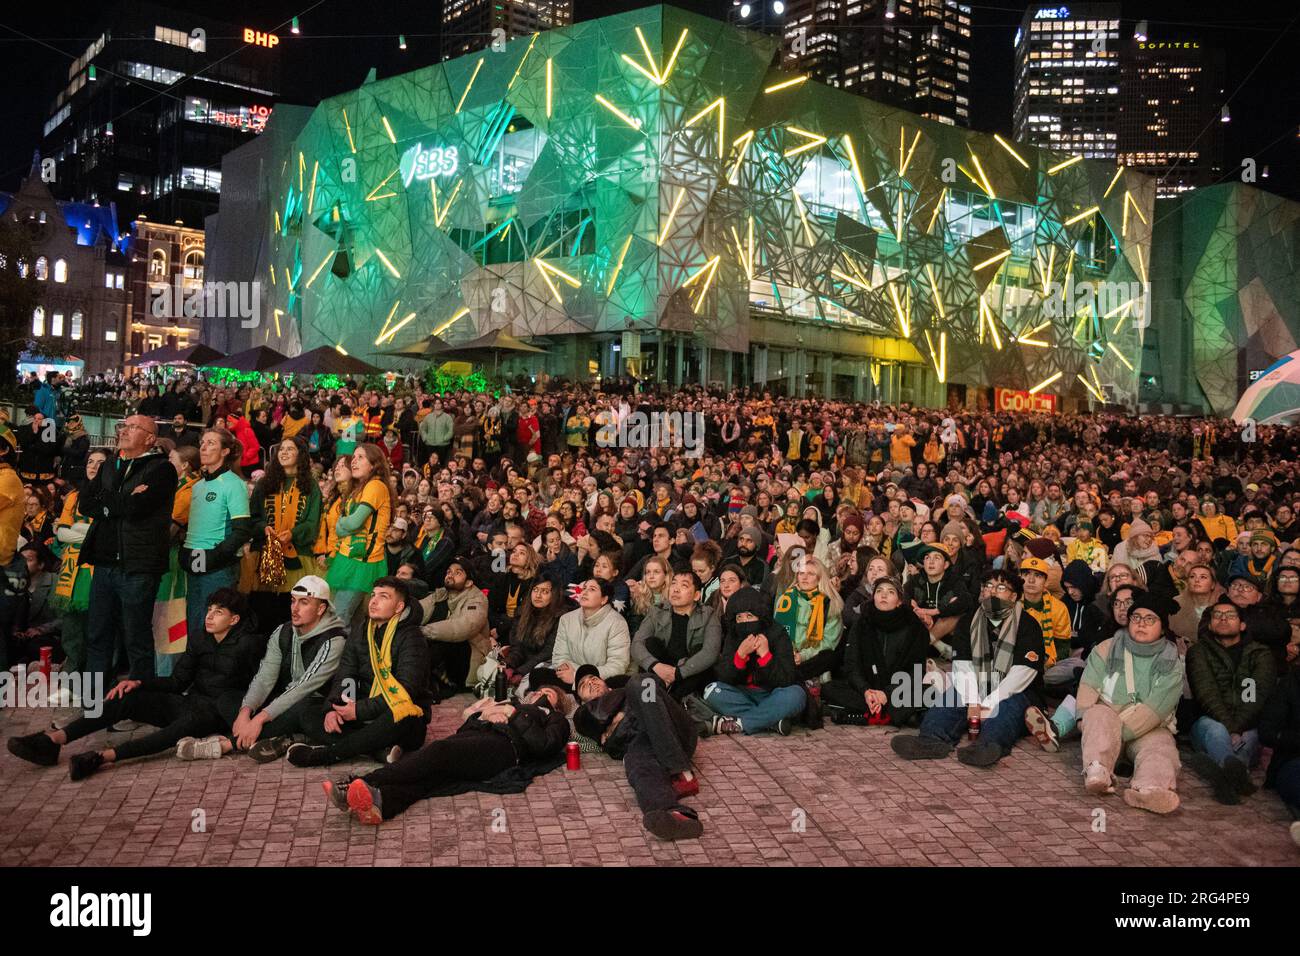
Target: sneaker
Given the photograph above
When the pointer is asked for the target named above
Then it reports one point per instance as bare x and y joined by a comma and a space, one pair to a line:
980, 754
677, 823
1238, 775
394, 754
35, 748
1097, 780
917, 747
685, 788
1156, 801
1042, 729
1224, 790
191, 748
849, 718
337, 791
727, 725
272, 748
308, 755
82, 766
1295, 832
363, 801
783, 727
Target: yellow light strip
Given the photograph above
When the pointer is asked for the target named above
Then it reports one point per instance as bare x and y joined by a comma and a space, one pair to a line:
672, 214
649, 58
328, 257
992, 259
903, 324
844, 277
1088, 385
640, 69
272, 271
744, 139
1142, 266
372, 196
934, 290
276, 313
1051, 264
448, 324
785, 84
348, 126
984, 180
749, 247
548, 87
672, 60
634, 123
311, 196
710, 267
1082, 215
1119, 355
338, 347
940, 361
898, 218
387, 336
937, 206
618, 267
720, 104
853, 164
522, 61
986, 315
391, 312
468, 86
288, 279
389, 130
440, 215
815, 140
803, 217
1044, 383
902, 171
1128, 197
1118, 309
384, 259
1123, 227
1053, 170
570, 280
302, 169
1008, 147
549, 284
1114, 179
277, 220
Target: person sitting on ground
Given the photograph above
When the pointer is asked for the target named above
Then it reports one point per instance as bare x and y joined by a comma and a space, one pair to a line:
459, 643
1050, 612
1232, 678
1127, 698
1086, 548
532, 642
1279, 728
593, 633
639, 722
200, 698
997, 674
495, 739
299, 663
937, 595
888, 640
386, 658
810, 612
758, 686
680, 643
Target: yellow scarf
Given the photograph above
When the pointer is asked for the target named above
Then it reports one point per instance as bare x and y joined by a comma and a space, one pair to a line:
385, 684
284, 513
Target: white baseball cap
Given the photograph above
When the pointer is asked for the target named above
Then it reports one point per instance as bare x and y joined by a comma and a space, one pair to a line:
312, 586
399, 524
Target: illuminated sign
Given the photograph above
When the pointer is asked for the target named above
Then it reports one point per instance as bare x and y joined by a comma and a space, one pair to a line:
258, 38
1164, 45
1053, 13
434, 162
1016, 400
246, 118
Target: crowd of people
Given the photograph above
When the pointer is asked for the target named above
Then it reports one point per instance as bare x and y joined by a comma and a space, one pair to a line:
304, 574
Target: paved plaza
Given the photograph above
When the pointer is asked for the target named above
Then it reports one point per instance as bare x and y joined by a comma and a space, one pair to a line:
838, 796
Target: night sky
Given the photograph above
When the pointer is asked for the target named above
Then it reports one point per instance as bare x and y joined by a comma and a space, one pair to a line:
342, 39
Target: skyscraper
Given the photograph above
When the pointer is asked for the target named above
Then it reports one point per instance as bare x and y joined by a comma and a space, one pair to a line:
1067, 91
913, 54
469, 25
1169, 120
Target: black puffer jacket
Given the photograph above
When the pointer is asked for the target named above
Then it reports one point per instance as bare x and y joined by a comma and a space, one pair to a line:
219, 672
130, 531
535, 732
778, 671
410, 666
1279, 724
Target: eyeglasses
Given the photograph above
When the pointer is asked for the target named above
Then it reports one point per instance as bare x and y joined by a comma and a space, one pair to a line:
1143, 619
998, 588
1123, 604
1223, 615
1240, 586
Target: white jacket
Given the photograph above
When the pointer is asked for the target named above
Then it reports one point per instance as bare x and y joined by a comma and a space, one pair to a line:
601, 639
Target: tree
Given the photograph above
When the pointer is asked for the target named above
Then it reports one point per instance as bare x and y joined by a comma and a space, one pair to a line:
19, 295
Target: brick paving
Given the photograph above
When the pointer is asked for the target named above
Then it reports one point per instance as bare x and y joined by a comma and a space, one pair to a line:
856, 801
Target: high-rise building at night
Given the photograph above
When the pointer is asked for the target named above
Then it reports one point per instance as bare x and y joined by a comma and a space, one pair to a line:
143, 116
470, 25
1169, 121
1067, 79
913, 54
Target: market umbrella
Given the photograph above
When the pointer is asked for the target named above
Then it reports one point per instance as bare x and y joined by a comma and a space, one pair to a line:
493, 343
430, 347
1274, 395
257, 359
325, 360
171, 355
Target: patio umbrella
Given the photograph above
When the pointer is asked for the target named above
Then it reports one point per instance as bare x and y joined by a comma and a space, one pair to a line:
198, 354
257, 359
325, 360
429, 348
493, 343
1274, 395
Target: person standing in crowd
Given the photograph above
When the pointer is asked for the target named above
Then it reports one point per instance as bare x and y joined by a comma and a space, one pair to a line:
72, 592
286, 506
130, 507
361, 531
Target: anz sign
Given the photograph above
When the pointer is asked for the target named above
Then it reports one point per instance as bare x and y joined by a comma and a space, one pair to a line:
1053, 13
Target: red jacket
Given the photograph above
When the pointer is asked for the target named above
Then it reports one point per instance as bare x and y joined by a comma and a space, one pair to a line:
240, 428
396, 455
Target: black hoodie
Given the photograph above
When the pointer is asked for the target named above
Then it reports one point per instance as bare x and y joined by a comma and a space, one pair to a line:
882, 644
1087, 621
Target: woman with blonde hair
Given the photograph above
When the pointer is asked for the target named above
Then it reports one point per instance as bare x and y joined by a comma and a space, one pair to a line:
811, 609
650, 591
361, 527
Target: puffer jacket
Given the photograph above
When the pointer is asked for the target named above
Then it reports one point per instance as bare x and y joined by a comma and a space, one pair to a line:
1220, 688
219, 671
601, 640
410, 666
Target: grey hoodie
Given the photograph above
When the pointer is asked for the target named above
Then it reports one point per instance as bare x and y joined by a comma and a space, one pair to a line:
305, 680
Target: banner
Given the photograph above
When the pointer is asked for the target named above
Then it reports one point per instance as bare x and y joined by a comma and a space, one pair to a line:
1015, 400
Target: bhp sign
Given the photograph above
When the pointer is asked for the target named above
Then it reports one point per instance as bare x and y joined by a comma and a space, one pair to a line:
1014, 400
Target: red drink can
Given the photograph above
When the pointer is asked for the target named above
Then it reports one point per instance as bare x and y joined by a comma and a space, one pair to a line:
572, 758
46, 655
973, 725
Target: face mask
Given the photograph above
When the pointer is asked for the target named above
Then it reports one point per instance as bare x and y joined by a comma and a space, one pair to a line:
748, 628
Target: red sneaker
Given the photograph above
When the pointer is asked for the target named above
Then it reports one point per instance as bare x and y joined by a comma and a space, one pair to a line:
361, 800
685, 788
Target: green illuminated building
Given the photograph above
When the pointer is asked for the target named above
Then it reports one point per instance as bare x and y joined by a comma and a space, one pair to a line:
654, 173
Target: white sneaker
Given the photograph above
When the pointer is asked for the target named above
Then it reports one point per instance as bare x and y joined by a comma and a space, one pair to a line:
190, 748
395, 754
1096, 779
